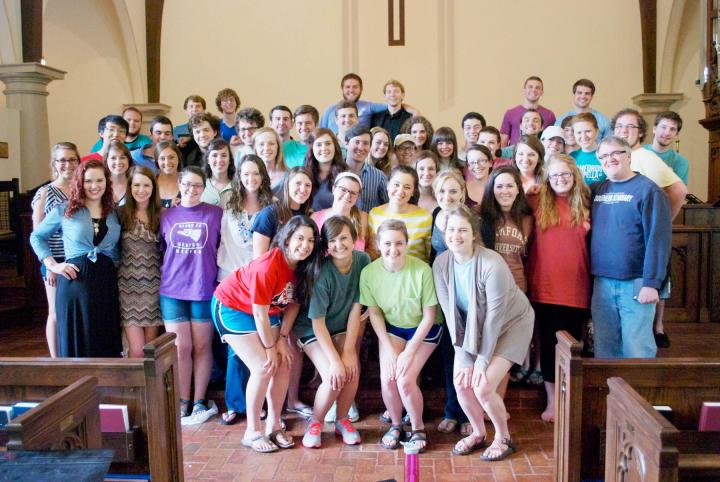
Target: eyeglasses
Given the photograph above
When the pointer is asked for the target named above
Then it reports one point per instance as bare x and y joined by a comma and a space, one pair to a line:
191, 185
564, 175
626, 126
115, 130
72, 160
347, 192
478, 163
614, 154
406, 148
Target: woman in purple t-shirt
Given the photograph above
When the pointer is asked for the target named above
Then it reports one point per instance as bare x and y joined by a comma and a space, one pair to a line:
190, 236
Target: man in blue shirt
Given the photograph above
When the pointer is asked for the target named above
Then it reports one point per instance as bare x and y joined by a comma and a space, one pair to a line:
666, 130
374, 183
306, 118
161, 129
583, 93
629, 252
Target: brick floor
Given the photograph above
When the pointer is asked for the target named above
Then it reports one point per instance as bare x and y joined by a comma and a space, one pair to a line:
214, 452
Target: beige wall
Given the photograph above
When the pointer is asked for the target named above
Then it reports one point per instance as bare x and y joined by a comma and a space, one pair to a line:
460, 55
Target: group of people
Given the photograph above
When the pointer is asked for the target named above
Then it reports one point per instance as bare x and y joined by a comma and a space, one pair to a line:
283, 246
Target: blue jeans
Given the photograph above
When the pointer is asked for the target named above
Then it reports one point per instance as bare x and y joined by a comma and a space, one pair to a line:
452, 411
623, 326
236, 379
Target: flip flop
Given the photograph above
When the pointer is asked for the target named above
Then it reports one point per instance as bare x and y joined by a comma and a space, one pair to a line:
230, 417
468, 449
447, 425
253, 444
304, 411
273, 436
509, 450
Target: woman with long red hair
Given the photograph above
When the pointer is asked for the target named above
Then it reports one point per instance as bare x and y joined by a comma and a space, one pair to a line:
86, 303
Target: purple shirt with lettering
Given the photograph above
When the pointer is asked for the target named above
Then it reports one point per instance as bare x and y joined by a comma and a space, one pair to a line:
511, 121
190, 238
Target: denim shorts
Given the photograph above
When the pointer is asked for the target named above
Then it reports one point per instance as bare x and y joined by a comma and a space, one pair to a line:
406, 334
177, 311
233, 322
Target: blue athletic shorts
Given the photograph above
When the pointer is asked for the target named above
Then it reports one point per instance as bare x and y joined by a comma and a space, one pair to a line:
234, 322
177, 311
306, 340
433, 335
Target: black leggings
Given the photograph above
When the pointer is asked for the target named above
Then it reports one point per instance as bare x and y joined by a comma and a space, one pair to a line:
553, 318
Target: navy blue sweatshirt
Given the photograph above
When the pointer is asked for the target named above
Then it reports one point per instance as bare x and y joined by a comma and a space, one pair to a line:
631, 230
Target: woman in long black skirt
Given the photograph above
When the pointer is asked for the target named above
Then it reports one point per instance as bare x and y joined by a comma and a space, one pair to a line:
88, 323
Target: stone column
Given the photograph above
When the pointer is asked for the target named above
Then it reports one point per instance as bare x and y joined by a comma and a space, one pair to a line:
650, 105
26, 91
148, 112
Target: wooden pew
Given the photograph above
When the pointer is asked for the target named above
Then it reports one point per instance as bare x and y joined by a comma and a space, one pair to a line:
146, 385
68, 420
581, 391
643, 445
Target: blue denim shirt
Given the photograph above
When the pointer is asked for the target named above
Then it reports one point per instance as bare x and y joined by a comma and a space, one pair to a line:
77, 234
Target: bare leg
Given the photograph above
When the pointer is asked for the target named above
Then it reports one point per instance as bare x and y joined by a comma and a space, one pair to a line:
390, 393
293, 396
183, 342
548, 414
136, 340
202, 356
487, 394
51, 324
251, 352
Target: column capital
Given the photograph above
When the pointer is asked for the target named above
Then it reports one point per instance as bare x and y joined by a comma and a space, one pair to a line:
30, 70
651, 104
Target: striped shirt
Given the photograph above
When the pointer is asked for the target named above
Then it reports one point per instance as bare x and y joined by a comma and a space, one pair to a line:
54, 196
418, 223
374, 188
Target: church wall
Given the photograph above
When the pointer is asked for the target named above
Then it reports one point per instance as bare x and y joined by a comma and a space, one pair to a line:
459, 56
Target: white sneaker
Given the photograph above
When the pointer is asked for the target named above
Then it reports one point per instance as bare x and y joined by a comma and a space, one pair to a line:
353, 413
331, 415
200, 414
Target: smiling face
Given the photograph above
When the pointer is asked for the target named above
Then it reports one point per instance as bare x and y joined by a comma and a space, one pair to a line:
582, 97
281, 121
560, 177
324, 149
113, 132
471, 130
346, 118
246, 130
533, 90
300, 244
459, 236
615, 161
134, 121
489, 140
250, 176
554, 145
345, 194
445, 149
168, 161
219, 161
191, 189
627, 127
65, 161
141, 189
304, 125
400, 188
266, 147
203, 134
449, 195
161, 133
351, 90
358, 147
585, 134
531, 123
341, 246
194, 108
94, 184
393, 246
526, 159
380, 145
394, 95
117, 162
506, 191
300, 189
665, 132
228, 105
419, 133
427, 172
406, 152
479, 164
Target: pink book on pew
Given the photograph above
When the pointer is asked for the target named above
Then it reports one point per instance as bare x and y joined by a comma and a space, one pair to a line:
114, 418
709, 417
